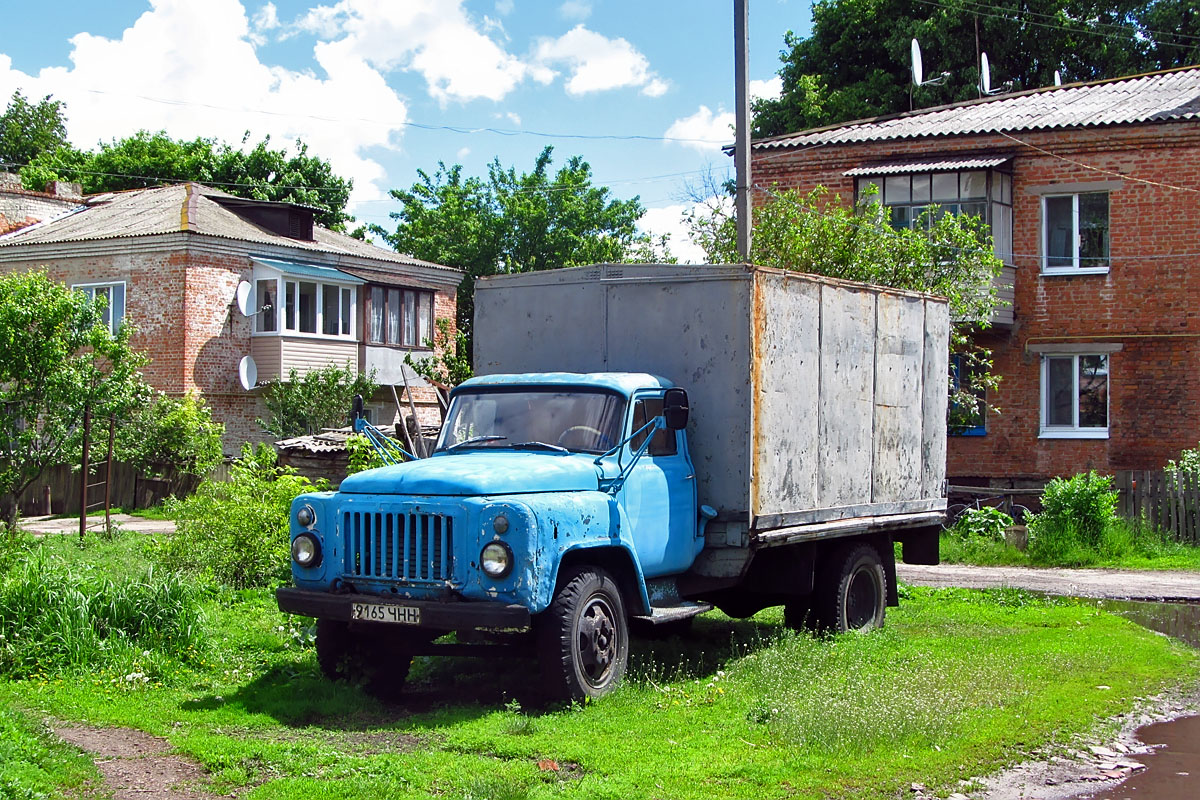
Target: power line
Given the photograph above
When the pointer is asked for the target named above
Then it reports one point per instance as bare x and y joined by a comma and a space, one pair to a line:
1101, 170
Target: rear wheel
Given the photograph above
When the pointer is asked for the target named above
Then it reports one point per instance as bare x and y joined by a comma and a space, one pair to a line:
583, 637
379, 664
853, 596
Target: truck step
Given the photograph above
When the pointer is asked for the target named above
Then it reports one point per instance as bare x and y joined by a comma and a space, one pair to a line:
661, 615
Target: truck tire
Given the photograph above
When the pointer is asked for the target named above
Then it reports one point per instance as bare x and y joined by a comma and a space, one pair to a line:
380, 665
853, 594
583, 637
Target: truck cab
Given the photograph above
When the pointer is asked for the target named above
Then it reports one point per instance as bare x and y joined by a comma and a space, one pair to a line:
550, 503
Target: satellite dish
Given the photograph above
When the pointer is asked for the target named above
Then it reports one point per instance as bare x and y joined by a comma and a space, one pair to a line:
1057, 78
244, 304
248, 372
918, 67
985, 74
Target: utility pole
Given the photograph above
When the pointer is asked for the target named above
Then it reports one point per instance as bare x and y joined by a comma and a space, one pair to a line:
741, 155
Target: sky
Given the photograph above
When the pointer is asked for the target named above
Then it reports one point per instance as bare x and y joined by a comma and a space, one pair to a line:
642, 90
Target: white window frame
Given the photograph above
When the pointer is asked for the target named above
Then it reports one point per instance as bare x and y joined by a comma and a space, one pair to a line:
114, 324
1075, 268
280, 301
1073, 431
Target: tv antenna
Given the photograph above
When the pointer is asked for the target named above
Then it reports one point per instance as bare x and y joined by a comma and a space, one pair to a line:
985, 79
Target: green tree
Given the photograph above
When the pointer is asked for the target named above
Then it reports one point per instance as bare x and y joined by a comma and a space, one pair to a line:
172, 433
951, 255
514, 222
322, 398
57, 358
29, 129
855, 63
146, 159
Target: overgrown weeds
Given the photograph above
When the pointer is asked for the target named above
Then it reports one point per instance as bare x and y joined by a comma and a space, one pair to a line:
235, 532
54, 619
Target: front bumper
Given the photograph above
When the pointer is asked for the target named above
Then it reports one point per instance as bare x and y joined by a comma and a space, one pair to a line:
435, 615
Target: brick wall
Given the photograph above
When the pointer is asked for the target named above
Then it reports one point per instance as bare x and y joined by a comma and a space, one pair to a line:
1148, 303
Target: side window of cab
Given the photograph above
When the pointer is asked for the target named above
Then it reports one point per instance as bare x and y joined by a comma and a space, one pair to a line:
663, 443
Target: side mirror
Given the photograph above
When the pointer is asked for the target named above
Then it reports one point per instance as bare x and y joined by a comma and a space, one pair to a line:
675, 409
358, 407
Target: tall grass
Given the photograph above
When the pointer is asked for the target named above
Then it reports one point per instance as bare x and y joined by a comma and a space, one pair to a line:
54, 618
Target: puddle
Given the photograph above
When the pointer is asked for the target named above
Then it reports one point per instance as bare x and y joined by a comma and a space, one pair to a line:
1172, 771
1178, 620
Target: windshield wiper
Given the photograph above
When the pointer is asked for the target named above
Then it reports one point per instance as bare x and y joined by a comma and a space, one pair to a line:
489, 437
540, 446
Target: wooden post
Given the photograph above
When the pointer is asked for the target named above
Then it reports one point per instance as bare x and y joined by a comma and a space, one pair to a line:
112, 430
412, 408
83, 472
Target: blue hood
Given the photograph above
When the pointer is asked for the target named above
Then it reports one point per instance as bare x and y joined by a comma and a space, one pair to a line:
476, 473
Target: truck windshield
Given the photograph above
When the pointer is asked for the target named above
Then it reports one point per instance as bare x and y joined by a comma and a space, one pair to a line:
579, 420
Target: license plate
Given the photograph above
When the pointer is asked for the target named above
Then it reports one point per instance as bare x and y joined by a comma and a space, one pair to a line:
386, 612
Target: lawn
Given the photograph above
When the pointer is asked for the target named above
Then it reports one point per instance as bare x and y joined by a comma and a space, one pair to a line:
959, 683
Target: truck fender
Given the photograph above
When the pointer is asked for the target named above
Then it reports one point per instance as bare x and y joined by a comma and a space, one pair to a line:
619, 561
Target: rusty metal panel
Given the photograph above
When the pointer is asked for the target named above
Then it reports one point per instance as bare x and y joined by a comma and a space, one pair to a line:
935, 399
787, 385
847, 395
899, 408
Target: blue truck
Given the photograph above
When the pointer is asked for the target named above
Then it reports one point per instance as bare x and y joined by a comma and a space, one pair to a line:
639, 445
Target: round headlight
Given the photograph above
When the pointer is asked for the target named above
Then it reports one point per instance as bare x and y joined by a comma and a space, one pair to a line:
306, 517
496, 559
306, 551
500, 524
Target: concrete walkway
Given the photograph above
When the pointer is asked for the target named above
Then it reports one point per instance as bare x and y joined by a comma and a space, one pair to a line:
1109, 583
40, 526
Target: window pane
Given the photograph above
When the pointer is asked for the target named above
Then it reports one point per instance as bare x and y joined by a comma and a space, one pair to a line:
118, 306
1060, 240
973, 209
1002, 232
1060, 391
945, 186
103, 294
1093, 391
330, 310
973, 184
377, 313
920, 189
347, 304
410, 318
663, 443
268, 315
864, 186
393, 316
1006, 185
1093, 229
899, 217
308, 307
425, 319
895, 189
291, 305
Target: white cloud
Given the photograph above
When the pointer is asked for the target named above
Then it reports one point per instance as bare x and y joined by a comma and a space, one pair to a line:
161, 74
575, 10
462, 153
435, 38
504, 7
670, 220
597, 63
768, 89
512, 117
265, 19
705, 130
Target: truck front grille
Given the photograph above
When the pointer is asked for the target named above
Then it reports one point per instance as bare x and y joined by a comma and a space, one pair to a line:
408, 547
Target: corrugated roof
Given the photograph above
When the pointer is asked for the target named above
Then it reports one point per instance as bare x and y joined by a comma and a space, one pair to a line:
941, 165
185, 207
308, 270
1161, 97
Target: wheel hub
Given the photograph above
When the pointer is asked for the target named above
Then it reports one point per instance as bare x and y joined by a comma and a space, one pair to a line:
597, 640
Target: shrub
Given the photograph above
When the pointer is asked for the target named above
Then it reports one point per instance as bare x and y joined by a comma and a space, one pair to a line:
55, 618
172, 433
235, 532
320, 399
362, 455
1086, 503
986, 523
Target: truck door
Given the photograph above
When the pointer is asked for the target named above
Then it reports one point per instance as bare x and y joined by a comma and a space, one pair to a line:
659, 495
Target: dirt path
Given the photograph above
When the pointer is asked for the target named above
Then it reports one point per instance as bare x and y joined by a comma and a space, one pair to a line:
136, 765
1110, 583
40, 526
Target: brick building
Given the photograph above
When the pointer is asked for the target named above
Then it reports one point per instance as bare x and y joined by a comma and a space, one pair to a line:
20, 207
1092, 192
171, 260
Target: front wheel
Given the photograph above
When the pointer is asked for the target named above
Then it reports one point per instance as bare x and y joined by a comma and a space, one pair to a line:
583, 637
853, 594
